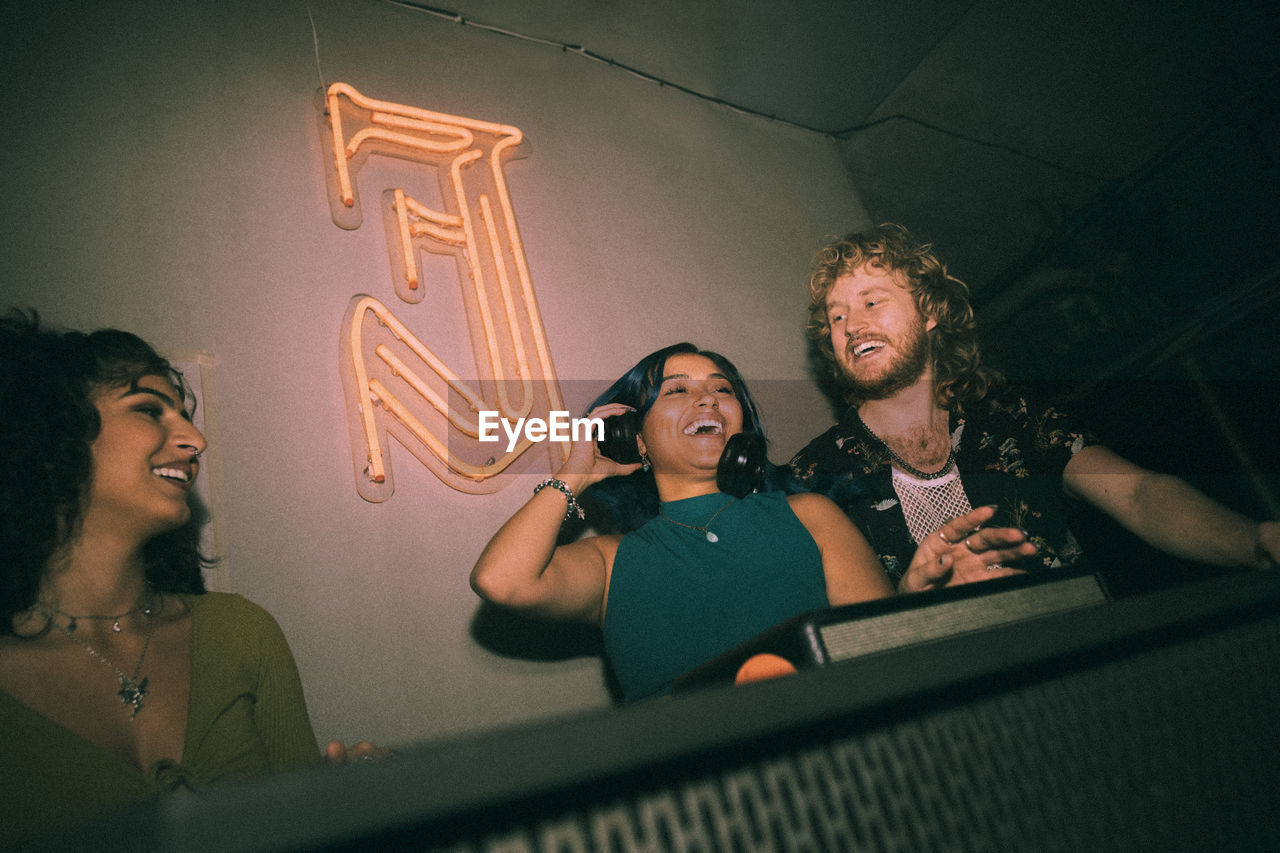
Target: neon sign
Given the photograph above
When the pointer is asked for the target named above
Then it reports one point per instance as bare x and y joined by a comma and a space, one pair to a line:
395, 384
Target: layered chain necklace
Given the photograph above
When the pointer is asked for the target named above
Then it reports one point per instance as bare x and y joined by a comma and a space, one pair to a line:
114, 620
132, 691
704, 529
904, 464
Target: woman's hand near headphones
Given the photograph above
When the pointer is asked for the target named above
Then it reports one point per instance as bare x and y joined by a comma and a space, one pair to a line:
586, 465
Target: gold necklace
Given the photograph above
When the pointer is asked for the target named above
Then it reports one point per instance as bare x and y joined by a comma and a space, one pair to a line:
711, 537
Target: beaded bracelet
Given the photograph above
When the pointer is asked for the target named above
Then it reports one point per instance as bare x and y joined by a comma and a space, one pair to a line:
560, 486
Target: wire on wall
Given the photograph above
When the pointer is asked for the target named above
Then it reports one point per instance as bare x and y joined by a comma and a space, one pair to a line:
315, 41
838, 134
585, 53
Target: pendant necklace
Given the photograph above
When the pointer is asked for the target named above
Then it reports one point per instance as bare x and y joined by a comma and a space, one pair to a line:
903, 464
704, 529
114, 620
132, 691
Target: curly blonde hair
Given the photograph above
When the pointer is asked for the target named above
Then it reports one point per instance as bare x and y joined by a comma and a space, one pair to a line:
959, 376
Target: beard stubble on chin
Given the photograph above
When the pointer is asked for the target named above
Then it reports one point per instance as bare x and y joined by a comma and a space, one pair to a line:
906, 367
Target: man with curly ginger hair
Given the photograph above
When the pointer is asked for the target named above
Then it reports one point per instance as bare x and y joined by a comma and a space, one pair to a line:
927, 436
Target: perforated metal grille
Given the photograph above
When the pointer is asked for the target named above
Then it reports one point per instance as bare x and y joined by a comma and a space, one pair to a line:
870, 634
1170, 749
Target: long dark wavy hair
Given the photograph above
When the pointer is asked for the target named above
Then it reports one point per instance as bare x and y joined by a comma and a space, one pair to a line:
959, 375
48, 422
622, 504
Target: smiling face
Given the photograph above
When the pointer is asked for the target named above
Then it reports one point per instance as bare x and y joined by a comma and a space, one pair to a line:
879, 338
695, 412
144, 459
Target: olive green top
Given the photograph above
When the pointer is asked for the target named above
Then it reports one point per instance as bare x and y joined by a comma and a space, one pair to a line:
246, 716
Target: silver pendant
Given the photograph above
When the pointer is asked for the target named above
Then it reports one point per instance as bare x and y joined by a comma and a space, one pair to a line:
132, 693
711, 537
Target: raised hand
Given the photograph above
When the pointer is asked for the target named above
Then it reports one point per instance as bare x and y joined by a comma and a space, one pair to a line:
586, 464
963, 551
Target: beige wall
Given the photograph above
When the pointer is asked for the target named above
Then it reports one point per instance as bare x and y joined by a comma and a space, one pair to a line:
163, 174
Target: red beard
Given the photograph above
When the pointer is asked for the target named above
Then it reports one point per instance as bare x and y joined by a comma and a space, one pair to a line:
906, 365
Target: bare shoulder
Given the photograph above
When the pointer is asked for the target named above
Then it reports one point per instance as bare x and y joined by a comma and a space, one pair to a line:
604, 545
609, 541
588, 560
821, 516
812, 506
606, 549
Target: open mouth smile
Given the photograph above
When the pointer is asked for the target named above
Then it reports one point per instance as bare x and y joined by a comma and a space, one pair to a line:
704, 426
173, 475
866, 348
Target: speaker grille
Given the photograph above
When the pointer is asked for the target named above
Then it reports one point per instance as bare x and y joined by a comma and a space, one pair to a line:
1173, 748
870, 634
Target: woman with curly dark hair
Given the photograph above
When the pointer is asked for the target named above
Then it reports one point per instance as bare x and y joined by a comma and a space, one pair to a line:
120, 677
48, 422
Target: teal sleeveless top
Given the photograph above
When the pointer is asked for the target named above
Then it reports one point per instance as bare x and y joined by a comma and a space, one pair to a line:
677, 599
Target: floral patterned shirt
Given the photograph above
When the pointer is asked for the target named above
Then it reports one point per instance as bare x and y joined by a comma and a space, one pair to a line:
1009, 453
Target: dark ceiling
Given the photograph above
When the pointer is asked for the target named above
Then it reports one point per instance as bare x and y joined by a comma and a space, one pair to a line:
1093, 169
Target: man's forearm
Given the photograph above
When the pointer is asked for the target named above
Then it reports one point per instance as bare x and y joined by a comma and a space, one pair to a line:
1180, 520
